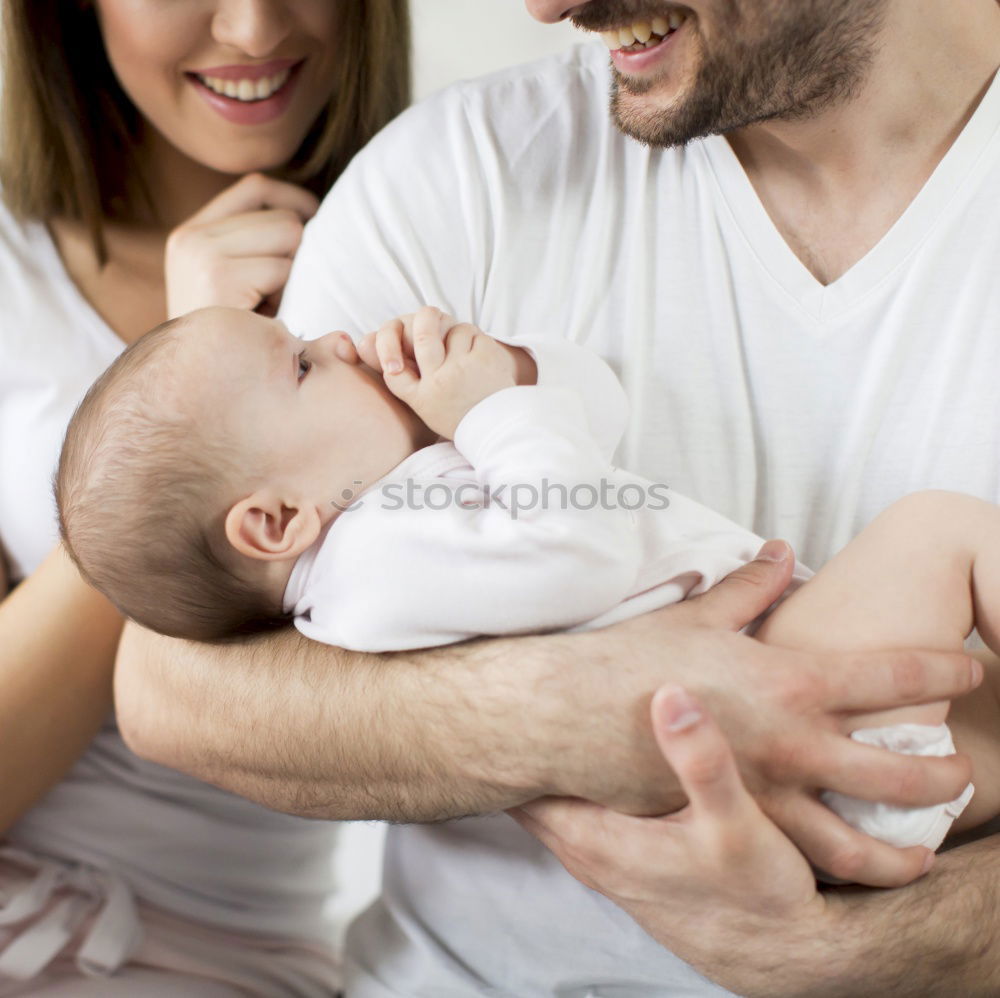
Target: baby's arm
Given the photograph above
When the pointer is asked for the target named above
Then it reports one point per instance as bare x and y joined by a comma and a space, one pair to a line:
514, 551
548, 361
923, 574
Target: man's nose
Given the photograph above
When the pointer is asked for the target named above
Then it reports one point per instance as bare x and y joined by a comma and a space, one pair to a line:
551, 11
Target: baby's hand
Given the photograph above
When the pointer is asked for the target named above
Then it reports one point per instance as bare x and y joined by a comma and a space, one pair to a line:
440, 367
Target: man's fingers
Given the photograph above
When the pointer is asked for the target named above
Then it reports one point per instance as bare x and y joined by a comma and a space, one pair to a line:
880, 775
699, 754
745, 594
844, 853
871, 681
428, 340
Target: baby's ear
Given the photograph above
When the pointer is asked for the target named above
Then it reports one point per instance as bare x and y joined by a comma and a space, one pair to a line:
262, 526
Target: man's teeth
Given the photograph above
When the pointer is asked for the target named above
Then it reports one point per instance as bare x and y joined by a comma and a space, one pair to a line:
247, 90
643, 34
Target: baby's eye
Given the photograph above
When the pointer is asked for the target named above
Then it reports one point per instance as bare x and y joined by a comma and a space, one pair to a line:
305, 366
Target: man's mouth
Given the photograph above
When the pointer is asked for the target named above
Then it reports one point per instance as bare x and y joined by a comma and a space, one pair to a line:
643, 34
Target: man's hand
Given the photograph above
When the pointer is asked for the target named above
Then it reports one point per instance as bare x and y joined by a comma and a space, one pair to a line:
718, 884
709, 882
786, 714
439, 367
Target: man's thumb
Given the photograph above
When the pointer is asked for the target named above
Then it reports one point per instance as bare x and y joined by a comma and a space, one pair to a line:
745, 594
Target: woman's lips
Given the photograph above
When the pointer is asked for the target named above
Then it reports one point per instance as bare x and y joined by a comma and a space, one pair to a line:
248, 112
241, 72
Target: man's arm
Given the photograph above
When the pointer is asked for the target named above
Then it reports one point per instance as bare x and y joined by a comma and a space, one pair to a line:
306, 728
722, 887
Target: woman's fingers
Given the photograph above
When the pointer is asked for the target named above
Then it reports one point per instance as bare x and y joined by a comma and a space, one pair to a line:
254, 219
250, 281
255, 191
274, 231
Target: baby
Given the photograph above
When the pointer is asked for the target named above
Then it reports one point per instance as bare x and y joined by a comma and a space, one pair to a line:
223, 476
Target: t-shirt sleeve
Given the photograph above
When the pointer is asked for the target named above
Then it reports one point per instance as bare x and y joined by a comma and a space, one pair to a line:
563, 364
404, 226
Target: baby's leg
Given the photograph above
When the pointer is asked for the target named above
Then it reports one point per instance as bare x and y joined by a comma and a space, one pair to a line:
920, 576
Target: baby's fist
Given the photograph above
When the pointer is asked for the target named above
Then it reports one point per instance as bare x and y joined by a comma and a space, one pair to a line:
455, 366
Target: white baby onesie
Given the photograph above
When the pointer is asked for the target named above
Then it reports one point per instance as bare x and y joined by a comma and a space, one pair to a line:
523, 525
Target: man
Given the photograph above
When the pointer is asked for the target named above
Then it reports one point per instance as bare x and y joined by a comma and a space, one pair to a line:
794, 399
719, 883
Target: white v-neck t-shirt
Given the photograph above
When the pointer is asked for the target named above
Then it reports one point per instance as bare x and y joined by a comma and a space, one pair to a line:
175, 842
797, 410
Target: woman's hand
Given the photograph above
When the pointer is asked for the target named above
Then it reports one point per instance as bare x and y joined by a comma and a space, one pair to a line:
238, 249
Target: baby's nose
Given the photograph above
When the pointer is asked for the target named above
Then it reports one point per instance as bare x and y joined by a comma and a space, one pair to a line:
341, 346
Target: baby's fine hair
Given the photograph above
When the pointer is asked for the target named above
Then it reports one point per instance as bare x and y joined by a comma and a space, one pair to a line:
141, 494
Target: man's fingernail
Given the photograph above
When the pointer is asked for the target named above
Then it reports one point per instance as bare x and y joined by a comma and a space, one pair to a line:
773, 551
393, 367
977, 672
928, 863
681, 710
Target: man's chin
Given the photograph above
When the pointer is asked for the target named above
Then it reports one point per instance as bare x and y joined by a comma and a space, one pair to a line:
653, 118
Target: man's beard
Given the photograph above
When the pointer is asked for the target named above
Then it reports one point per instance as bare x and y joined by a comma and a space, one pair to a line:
789, 59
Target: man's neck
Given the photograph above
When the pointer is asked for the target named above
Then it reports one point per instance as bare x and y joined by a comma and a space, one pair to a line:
823, 179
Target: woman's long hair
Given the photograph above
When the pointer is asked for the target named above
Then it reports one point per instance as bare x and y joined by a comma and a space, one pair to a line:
70, 136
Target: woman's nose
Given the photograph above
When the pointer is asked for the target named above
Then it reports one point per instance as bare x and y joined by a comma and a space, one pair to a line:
255, 27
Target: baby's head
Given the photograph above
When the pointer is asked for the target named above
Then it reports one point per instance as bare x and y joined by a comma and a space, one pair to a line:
209, 456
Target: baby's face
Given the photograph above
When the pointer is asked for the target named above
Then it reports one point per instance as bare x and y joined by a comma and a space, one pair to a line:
307, 417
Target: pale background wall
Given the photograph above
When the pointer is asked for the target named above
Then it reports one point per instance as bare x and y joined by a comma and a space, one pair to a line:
453, 40
457, 39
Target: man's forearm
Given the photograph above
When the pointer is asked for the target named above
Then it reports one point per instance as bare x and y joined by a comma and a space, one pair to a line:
937, 938
314, 730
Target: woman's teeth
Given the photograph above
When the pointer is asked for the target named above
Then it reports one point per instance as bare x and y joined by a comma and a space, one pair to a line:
643, 34
247, 90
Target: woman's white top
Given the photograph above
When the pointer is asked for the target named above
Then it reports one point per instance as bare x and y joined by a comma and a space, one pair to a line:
175, 842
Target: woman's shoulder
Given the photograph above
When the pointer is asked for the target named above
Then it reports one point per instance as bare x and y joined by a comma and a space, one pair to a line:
32, 276
25, 251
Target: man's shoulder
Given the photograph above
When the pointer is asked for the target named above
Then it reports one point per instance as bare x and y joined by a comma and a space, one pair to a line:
513, 106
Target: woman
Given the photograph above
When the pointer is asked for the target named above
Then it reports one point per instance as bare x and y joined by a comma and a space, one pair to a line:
124, 126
